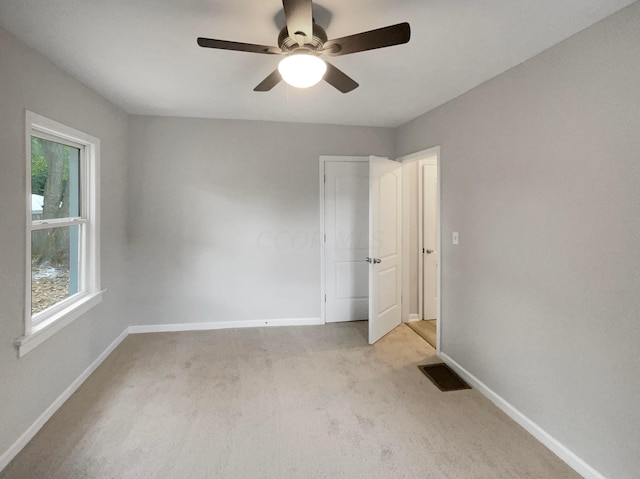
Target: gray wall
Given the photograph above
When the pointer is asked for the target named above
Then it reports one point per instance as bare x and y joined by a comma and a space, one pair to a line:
29, 385
541, 177
224, 216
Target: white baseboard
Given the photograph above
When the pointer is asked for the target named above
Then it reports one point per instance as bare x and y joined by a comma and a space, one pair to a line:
253, 323
22, 441
413, 317
531, 427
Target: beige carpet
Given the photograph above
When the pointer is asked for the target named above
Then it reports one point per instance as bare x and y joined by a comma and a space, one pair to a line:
302, 402
426, 329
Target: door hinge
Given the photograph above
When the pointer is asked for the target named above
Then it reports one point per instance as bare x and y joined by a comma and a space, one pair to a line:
325, 178
325, 237
325, 298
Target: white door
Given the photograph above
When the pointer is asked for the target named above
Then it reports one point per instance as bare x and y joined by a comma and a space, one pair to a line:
346, 218
429, 240
384, 246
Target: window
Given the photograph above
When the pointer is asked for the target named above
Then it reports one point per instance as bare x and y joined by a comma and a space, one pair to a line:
63, 274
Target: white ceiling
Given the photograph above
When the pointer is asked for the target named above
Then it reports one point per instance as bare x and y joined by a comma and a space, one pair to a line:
142, 54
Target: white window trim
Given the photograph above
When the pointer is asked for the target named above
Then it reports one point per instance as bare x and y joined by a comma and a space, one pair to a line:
66, 311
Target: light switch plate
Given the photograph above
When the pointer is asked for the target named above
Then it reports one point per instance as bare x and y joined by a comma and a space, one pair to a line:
456, 237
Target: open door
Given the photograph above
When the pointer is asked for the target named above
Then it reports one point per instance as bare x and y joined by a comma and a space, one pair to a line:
385, 301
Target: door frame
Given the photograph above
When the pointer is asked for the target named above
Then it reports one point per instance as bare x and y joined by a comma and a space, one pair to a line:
422, 157
321, 179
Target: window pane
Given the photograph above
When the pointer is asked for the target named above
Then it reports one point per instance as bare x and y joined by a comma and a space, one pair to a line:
55, 180
54, 266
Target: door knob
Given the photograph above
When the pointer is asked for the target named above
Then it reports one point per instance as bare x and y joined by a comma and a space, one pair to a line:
429, 251
367, 259
377, 260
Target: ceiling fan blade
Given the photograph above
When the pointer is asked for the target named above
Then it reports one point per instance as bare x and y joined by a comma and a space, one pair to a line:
360, 42
299, 15
237, 46
339, 80
268, 83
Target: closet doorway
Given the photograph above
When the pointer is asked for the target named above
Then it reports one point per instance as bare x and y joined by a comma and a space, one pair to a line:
421, 298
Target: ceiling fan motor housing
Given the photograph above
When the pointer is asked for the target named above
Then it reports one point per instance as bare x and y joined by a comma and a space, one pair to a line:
315, 44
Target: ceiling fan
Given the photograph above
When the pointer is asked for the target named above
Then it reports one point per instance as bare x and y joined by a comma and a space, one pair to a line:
302, 42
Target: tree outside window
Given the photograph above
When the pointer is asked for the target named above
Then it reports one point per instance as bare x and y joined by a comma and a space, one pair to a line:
55, 190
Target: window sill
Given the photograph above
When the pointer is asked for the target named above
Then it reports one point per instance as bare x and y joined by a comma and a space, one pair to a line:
43, 331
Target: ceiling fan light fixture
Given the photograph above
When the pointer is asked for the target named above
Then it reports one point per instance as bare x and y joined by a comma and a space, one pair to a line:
302, 70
